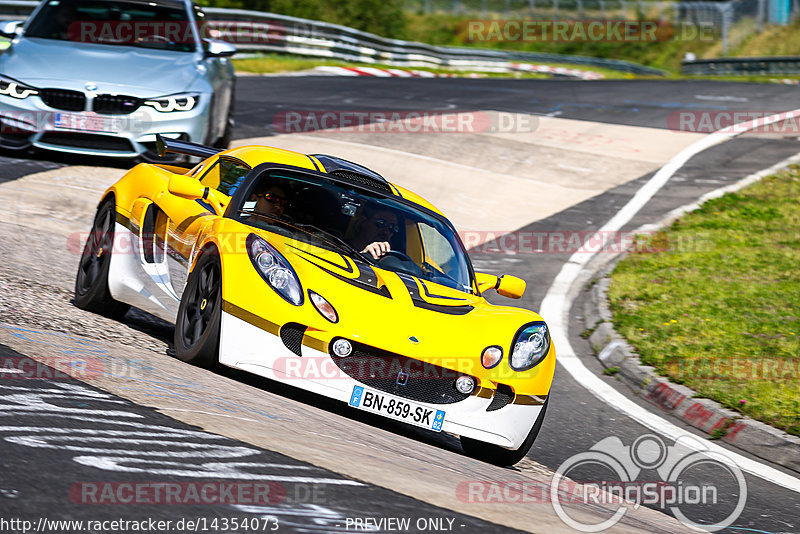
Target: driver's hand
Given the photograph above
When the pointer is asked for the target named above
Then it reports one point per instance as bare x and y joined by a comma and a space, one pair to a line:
377, 249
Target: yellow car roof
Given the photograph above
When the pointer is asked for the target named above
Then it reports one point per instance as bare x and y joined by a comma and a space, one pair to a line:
255, 155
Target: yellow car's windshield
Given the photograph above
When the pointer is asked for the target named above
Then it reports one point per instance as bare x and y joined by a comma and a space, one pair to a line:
347, 219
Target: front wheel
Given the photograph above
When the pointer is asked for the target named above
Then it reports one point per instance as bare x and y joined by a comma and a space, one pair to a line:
91, 282
199, 315
503, 457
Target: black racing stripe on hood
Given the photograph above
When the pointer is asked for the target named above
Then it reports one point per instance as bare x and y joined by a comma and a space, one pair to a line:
348, 267
419, 302
428, 294
360, 282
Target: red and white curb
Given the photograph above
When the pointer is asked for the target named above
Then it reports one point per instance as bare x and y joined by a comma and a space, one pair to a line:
379, 73
562, 71
401, 73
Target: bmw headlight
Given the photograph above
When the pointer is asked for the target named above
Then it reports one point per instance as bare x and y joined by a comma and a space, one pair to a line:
274, 269
13, 88
168, 104
530, 346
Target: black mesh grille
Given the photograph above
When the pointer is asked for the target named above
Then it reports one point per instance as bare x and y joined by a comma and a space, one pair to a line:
420, 381
90, 141
64, 99
13, 137
360, 179
502, 397
115, 104
292, 336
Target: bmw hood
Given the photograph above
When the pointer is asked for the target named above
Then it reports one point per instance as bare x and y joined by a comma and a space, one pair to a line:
66, 65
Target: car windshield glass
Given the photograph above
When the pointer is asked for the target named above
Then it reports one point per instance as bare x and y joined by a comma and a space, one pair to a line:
128, 23
347, 219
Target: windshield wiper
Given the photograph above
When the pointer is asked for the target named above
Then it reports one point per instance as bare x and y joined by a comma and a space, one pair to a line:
336, 241
324, 235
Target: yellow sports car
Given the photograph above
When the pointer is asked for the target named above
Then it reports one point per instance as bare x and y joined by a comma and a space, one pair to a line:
319, 273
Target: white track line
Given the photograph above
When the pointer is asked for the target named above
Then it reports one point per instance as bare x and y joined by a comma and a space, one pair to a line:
556, 305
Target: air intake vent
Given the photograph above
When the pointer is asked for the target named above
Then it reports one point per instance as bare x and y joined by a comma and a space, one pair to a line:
64, 99
402, 376
360, 179
88, 141
502, 397
292, 336
115, 104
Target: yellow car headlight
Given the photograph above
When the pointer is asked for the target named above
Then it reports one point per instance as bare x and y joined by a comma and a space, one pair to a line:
530, 346
274, 269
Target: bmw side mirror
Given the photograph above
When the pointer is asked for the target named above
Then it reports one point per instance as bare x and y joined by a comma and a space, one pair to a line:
506, 285
218, 48
10, 29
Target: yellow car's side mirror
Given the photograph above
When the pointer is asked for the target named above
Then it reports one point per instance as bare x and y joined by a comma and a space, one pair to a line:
506, 285
511, 286
486, 281
187, 187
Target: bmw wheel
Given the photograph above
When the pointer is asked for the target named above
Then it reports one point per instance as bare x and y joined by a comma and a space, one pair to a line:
199, 314
91, 282
503, 457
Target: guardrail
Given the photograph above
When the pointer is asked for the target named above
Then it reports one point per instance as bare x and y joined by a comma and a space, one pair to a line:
742, 66
16, 9
271, 32
323, 39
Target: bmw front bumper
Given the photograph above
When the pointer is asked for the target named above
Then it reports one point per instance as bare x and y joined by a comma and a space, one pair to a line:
30, 122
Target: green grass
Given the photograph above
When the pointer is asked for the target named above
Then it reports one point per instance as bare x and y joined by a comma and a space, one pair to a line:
744, 41
713, 302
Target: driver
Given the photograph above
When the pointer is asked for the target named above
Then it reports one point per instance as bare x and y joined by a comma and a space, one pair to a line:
271, 201
373, 232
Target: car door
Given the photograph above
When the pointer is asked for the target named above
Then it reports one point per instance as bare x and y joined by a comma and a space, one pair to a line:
186, 219
220, 75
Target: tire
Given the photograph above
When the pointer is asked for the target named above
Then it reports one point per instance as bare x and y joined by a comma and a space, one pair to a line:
500, 456
91, 281
197, 326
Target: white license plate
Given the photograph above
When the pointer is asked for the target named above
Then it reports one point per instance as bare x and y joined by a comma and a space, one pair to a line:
396, 408
85, 122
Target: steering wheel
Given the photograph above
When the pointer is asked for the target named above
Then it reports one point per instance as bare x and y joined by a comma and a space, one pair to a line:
401, 261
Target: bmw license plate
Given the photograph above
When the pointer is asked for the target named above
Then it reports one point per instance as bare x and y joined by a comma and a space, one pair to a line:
85, 122
397, 408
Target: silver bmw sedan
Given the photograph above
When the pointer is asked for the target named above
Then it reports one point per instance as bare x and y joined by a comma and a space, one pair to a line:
103, 77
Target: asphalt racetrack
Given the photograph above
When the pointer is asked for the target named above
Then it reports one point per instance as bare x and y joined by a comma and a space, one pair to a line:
548, 156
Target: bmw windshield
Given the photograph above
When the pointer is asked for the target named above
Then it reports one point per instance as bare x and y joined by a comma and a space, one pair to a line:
159, 25
347, 220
